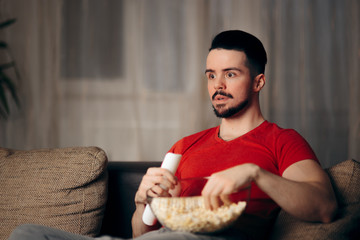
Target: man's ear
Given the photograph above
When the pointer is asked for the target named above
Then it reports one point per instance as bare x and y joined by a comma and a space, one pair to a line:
259, 82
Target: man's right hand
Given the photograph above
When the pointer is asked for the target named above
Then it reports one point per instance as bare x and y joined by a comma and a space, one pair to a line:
159, 180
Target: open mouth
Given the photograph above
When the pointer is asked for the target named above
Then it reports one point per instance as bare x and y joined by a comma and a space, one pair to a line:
219, 95
219, 98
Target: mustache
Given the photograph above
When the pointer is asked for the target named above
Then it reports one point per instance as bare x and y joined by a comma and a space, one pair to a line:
222, 94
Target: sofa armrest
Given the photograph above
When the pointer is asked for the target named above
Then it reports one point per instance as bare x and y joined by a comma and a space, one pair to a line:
345, 178
63, 188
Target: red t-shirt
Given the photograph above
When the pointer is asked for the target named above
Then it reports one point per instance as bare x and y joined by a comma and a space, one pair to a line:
268, 146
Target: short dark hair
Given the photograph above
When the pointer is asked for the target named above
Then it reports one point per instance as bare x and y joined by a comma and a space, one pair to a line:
245, 42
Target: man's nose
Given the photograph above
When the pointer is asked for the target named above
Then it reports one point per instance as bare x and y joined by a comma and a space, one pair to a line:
220, 83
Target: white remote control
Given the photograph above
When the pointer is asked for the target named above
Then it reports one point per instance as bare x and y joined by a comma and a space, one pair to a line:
171, 162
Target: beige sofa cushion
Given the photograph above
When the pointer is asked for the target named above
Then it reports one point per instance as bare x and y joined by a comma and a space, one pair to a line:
345, 178
62, 188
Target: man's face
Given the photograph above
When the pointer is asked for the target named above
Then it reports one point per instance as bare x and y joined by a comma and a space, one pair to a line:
229, 82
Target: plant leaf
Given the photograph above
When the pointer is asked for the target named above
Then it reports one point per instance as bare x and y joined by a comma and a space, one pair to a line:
3, 100
7, 23
17, 73
10, 85
3, 114
7, 65
3, 44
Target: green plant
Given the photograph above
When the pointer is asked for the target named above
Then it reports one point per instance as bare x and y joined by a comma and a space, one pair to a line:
6, 83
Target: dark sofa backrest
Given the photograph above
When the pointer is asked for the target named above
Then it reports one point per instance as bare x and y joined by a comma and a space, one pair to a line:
124, 179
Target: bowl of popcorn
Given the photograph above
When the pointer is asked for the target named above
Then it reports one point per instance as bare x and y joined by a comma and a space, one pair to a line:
189, 214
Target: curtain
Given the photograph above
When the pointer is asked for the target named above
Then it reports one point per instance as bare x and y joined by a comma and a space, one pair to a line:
128, 75
33, 40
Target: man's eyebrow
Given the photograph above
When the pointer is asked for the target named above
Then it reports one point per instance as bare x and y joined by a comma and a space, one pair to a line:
224, 70
232, 68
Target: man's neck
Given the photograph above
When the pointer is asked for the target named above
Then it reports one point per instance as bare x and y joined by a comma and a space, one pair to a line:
235, 127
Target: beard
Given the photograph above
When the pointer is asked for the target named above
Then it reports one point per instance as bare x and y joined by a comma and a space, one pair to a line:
231, 111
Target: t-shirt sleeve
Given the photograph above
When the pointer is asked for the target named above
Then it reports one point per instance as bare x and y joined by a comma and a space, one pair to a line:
178, 147
292, 148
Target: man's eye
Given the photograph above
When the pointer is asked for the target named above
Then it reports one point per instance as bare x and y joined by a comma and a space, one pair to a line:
230, 75
211, 76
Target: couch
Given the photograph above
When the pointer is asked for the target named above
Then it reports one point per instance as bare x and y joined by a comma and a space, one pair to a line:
78, 190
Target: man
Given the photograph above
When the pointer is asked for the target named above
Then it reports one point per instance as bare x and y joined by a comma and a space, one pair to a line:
245, 148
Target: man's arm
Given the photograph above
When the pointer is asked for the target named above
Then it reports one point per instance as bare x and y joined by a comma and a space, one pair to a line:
304, 190
154, 178
138, 227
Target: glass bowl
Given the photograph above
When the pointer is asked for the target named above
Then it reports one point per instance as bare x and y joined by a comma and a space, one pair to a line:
189, 213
